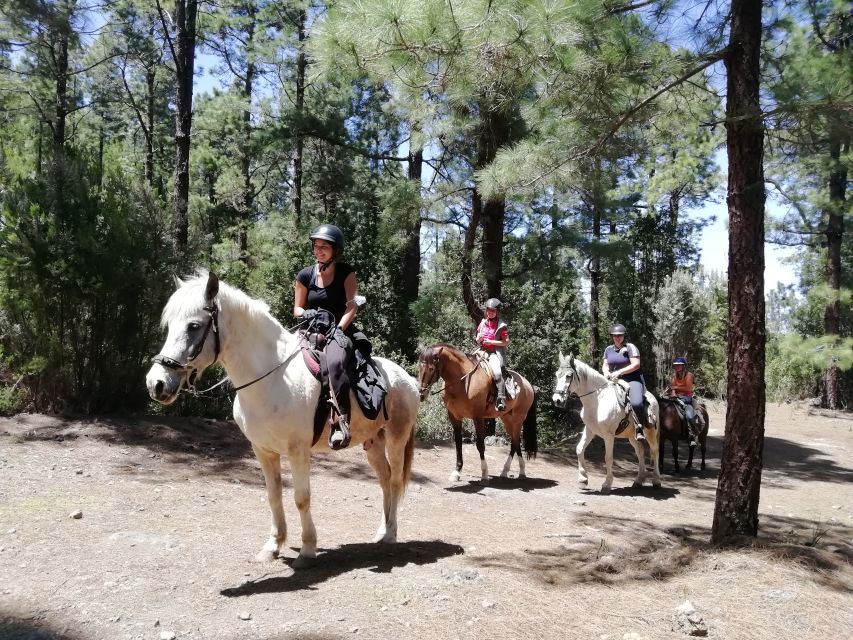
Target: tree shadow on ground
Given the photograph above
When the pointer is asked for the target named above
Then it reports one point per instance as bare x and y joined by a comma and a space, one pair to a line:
16, 626
616, 551
348, 557
795, 461
524, 485
199, 447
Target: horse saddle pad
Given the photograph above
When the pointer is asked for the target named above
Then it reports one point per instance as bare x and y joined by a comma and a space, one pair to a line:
512, 387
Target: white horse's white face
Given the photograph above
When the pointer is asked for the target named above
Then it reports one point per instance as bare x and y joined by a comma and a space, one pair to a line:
192, 341
566, 375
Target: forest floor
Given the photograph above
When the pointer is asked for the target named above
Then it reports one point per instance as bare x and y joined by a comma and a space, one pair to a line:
174, 511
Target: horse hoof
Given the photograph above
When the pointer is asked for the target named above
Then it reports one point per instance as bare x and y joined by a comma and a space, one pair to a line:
384, 538
605, 491
636, 484
266, 555
484, 480
504, 475
302, 562
455, 476
522, 476
582, 484
656, 485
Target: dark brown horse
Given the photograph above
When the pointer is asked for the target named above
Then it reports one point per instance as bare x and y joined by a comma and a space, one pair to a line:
469, 393
674, 428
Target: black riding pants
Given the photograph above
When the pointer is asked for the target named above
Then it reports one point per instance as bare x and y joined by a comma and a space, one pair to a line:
338, 354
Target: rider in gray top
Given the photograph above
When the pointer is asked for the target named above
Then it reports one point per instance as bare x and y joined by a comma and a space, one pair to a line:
622, 360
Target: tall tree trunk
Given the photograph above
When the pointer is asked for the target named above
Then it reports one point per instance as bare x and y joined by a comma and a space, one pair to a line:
595, 287
150, 76
494, 133
186, 12
301, 65
62, 35
247, 198
736, 507
412, 256
834, 236
471, 305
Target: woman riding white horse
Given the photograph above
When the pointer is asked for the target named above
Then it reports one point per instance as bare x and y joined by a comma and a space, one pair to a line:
605, 409
276, 398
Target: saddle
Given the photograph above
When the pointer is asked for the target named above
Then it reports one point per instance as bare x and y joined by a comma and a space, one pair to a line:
481, 358
366, 379
625, 402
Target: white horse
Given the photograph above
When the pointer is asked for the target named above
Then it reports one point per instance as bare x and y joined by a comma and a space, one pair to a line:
605, 406
209, 321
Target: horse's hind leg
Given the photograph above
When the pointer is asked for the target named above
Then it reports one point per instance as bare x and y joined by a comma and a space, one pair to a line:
387, 531
300, 465
641, 462
608, 463
514, 432
271, 467
655, 442
457, 440
480, 432
583, 443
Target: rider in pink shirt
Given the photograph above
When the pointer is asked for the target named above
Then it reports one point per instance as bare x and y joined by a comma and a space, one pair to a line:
493, 338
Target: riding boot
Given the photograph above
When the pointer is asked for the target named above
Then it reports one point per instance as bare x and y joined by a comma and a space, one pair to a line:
693, 430
339, 434
500, 403
638, 433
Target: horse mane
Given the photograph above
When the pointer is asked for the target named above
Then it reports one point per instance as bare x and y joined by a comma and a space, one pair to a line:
189, 298
585, 372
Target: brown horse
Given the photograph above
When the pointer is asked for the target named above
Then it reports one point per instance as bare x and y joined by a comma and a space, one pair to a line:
469, 393
674, 428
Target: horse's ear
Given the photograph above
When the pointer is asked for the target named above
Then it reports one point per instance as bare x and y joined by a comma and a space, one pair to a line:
178, 282
212, 287
562, 357
571, 360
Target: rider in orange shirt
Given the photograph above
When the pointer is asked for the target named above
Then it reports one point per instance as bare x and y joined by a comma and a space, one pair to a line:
682, 386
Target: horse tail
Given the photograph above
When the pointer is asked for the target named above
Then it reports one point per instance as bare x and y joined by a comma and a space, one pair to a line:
529, 431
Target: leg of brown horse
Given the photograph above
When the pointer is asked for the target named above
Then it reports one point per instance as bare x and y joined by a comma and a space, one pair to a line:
457, 440
514, 432
480, 432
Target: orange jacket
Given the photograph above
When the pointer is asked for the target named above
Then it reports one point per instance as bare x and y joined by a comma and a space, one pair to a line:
682, 386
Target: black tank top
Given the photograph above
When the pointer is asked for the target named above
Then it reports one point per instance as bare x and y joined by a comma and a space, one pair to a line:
332, 298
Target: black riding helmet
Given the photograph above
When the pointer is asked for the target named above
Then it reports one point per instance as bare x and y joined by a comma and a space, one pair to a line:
331, 234
618, 330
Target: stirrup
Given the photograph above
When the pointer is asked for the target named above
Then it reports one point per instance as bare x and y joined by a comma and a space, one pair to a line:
639, 435
500, 405
339, 434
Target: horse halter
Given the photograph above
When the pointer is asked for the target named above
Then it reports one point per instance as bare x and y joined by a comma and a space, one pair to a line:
187, 369
434, 364
566, 391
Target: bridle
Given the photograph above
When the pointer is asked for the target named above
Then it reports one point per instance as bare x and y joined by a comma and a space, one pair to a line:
188, 371
435, 365
567, 390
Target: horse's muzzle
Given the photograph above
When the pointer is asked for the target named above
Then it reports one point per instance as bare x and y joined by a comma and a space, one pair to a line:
163, 385
559, 400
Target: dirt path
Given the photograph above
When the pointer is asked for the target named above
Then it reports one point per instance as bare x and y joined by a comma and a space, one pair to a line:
173, 511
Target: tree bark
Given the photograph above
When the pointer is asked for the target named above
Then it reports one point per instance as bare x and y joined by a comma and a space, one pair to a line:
834, 236
412, 257
186, 12
247, 197
595, 287
299, 139
736, 507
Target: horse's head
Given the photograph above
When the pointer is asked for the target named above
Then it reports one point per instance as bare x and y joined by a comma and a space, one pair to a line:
566, 376
192, 342
429, 369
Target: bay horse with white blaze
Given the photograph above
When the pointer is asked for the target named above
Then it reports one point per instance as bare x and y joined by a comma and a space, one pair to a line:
468, 393
673, 427
605, 410
209, 321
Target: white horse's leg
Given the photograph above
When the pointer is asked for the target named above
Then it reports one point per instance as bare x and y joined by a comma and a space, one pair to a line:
300, 465
271, 467
583, 443
480, 439
641, 462
654, 450
608, 463
379, 461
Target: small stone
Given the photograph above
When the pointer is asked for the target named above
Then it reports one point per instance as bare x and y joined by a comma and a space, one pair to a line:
79, 472
487, 605
632, 635
580, 503
167, 635
244, 615
10, 531
354, 630
76, 515
383, 608
686, 608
